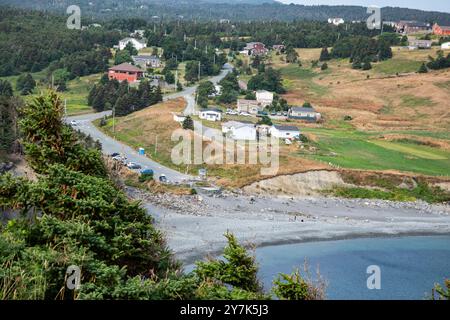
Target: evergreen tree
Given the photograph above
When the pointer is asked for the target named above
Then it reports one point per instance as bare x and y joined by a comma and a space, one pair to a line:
423, 68
291, 55
367, 65
6, 89
25, 84
188, 123
324, 66
324, 54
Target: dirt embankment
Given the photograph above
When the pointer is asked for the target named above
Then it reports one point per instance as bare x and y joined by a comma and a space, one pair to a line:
307, 184
312, 183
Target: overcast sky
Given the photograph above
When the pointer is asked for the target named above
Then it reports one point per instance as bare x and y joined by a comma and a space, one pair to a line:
430, 5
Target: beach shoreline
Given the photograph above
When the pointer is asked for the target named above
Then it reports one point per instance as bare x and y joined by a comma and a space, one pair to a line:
194, 225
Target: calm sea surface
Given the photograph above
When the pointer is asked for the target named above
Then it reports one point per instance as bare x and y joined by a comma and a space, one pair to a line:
410, 266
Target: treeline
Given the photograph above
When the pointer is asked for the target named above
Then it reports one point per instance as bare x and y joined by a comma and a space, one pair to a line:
362, 50
201, 56
109, 94
232, 10
9, 108
32, 40
440, 62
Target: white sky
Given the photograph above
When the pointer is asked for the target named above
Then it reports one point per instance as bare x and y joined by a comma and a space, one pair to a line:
429, 5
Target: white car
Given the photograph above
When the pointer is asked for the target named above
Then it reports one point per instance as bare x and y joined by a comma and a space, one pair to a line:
73, 123
245, 114
134, 165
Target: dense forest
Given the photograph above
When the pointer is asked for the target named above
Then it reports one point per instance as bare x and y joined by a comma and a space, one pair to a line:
235, 10
264, 10
9, 107
31, 40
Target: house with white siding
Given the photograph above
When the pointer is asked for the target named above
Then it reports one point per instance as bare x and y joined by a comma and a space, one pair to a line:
265, 98
250, 106
237, 130
285, 132
211, 114
137, 43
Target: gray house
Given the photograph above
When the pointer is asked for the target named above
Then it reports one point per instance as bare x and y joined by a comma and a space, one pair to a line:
147, 61
309, 114
420, 44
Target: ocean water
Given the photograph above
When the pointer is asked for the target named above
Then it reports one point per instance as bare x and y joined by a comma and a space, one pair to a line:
410, 266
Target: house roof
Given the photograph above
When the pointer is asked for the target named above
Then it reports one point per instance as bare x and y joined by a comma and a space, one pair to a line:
126, 67
286, 128
145, 57
303, 109
414, 24
238, 124
446, 28
255, 102
421, 42
264, 91
212, 109
130, 39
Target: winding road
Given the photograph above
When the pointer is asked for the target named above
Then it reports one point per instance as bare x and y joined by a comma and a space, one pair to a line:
110, 145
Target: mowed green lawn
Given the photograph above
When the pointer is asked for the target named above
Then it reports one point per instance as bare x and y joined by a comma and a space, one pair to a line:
76, 94
357, 150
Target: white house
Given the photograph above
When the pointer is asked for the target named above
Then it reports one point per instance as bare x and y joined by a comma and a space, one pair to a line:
336, 21
239, 130
137, 43
309, 114
265, 98
250, 106
217, 91
285, 132
139, 33
445, 46
179, 117
211, 114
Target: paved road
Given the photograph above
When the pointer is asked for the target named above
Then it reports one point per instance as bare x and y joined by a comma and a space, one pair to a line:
110, 145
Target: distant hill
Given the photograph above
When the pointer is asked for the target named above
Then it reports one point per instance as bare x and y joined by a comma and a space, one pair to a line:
235, 10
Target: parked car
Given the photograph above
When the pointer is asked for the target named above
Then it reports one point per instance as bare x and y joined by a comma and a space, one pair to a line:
245, 114
114, 154
73, 123
147, 172
134, 165
163, 178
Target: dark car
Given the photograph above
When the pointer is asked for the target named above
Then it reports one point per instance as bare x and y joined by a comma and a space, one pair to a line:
162, 178
115, 154
147, 172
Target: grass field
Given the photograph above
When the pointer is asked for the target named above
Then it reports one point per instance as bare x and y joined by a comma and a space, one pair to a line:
76, 94
360, 150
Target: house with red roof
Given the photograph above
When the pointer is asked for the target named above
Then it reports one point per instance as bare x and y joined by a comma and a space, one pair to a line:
125, 71
441, 30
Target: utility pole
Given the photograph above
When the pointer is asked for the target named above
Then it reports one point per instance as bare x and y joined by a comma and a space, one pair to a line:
114, 121
199, 70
